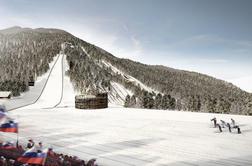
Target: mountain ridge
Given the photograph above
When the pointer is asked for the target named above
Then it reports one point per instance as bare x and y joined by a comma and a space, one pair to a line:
92, 69
13, 29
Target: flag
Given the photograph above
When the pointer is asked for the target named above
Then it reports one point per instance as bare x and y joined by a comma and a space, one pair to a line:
7, 145
32, 156
10, 127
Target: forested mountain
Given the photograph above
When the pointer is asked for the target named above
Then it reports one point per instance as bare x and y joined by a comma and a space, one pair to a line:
26, 53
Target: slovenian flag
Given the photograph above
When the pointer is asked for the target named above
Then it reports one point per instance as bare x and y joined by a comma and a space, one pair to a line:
10, 127
8, 146
32, 156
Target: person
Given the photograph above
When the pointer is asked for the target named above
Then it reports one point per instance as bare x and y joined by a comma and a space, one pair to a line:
30, 144
3, 161
11, 162
214, 120
83, 163
20, 147
233, 122
219, 127
229, 127
91, 162
223, 123
40, 147
2, 108
50, 152
238, 130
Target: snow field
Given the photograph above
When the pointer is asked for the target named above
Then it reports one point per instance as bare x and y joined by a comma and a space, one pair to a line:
120, 136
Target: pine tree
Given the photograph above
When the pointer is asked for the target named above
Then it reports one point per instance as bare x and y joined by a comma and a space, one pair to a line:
133, 101
198, 103
172, 104
127, 101
178, 104
158, 101
165, 102
150, 101
250, 108
211, 104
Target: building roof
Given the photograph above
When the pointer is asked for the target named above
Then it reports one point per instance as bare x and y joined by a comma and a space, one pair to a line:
85, 96
5, 93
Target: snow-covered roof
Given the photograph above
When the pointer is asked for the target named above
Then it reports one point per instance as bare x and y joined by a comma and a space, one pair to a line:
5, 93
85, 96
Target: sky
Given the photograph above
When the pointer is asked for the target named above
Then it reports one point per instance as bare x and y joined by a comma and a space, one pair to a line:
213, 37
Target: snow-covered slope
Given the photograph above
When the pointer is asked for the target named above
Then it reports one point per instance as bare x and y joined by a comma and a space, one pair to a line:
135, 137
52, 93
118, 92
68, 95
128, 77
34, 92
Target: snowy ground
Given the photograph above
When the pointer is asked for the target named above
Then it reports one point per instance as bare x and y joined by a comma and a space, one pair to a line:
120, 136
126, 137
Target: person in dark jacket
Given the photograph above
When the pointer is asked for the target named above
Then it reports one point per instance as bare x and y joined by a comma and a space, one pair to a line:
215, 121
30, 144
229, 127
219, 126
238, 130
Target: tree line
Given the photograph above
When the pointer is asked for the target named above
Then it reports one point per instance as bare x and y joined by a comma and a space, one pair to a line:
27, 54
190, 91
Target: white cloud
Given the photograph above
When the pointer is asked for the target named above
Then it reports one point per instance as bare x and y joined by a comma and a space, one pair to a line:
200, 40
204, 60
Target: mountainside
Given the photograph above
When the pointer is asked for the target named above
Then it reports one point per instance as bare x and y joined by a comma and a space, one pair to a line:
26, 53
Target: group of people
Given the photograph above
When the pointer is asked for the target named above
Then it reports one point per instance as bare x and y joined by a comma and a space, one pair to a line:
223, 124
9, 156
12, 154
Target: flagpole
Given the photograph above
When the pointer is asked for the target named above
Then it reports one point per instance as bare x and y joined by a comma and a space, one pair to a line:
17, 144
44, 162
17, 139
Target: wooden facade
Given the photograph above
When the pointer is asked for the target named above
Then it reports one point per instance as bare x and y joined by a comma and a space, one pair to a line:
32, 79
31, 83
92, 102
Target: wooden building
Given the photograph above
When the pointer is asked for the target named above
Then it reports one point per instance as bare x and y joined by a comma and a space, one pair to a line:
91, 102
5, 94
31, 81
